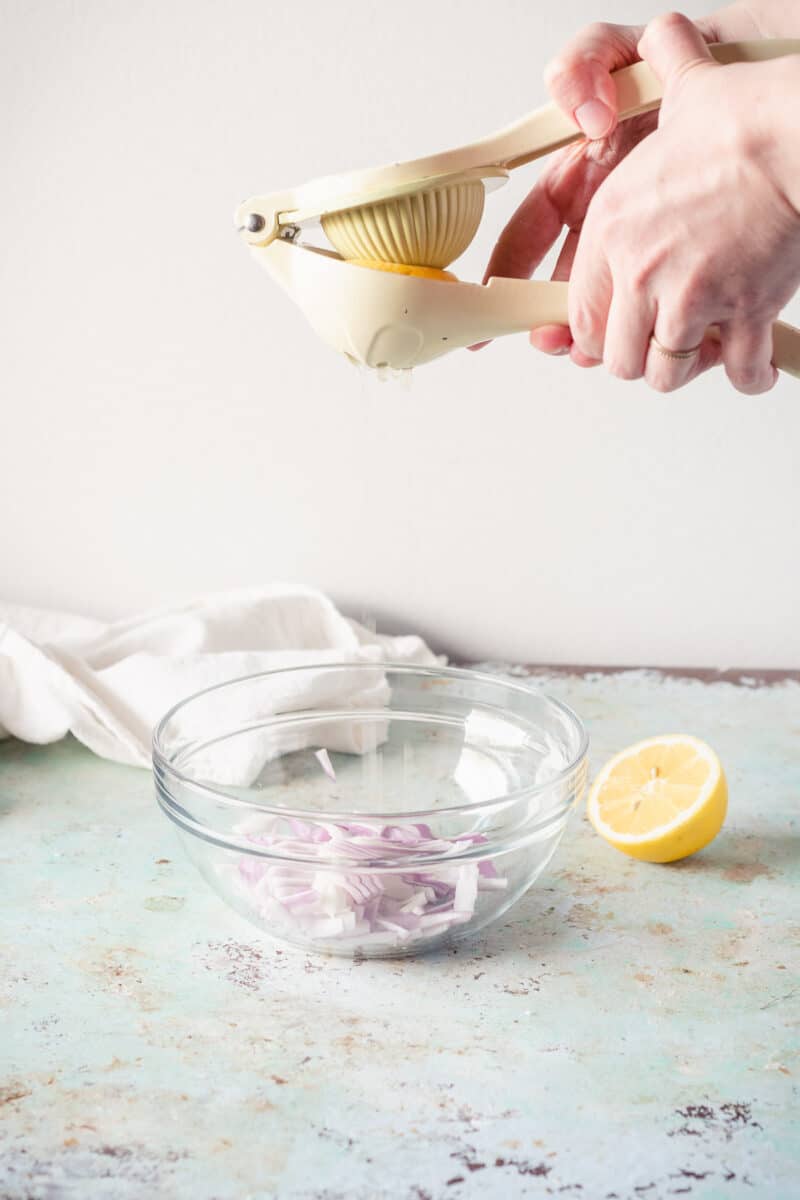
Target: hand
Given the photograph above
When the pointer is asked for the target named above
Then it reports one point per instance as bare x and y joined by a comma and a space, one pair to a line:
697, 227
580, 82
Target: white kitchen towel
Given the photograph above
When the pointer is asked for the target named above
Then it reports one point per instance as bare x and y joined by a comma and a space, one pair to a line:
109, 684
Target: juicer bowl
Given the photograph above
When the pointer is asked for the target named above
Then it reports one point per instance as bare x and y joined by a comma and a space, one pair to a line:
368, 809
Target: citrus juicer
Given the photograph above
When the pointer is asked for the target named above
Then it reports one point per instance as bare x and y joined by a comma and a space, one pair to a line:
380, 293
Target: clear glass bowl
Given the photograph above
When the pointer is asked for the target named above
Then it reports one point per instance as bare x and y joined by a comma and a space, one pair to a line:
369, 809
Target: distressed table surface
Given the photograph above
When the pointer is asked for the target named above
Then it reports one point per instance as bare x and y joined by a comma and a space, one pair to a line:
629, 1033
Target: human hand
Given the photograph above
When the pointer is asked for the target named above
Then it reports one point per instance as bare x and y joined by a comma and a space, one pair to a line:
696, 228
579, 80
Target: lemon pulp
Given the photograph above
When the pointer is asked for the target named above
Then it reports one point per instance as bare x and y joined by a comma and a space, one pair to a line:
405, 269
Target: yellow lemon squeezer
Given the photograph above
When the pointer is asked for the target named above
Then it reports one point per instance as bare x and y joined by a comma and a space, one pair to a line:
379, 293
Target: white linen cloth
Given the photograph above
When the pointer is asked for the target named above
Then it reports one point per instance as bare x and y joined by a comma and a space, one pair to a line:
109, 684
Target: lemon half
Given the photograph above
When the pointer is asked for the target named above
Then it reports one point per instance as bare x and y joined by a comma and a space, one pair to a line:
660, 800
375, 264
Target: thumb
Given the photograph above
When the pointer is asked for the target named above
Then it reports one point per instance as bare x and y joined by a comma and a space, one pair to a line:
579, 79
672, 45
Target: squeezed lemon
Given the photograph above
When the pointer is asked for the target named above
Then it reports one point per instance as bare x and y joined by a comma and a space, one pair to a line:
405, 269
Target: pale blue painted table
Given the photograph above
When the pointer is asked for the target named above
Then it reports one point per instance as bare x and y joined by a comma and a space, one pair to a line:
630, 1032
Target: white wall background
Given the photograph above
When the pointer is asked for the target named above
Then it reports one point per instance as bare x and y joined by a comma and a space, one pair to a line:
170, 424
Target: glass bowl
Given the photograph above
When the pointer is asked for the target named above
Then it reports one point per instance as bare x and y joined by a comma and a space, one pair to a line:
367, 809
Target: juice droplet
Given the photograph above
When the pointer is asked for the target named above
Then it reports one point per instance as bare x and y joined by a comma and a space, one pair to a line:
383, 373
402, 375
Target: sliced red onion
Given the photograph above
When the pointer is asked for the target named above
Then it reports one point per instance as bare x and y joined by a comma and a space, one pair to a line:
323, 758
375, 909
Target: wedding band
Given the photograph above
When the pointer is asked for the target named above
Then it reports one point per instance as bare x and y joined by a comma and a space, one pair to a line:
679, 354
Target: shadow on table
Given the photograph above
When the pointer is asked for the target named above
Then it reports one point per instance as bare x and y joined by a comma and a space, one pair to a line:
740, 856
531, 926
736, 857
14, 756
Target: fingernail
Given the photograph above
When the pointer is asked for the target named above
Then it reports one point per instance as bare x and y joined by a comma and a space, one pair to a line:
594, 118
559, 350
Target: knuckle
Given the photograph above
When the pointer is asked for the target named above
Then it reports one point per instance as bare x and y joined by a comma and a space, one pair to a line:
605, 203
555, 70
634, 271
662, 383
562, 70
744, 141
750, 380
639, 276
569, 83
605, 223
693, 294
667, 22
621, 369
610, 217
583, 322
683, 321
579, 56
750, 305
597, 31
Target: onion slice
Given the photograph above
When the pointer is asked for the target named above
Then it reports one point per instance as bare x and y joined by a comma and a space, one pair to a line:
366, 908
324, 760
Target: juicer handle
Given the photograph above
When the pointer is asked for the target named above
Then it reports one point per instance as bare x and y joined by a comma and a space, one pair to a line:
517, 305
638, 91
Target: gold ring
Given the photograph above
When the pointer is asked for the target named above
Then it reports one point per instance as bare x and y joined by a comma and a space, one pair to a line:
677, 354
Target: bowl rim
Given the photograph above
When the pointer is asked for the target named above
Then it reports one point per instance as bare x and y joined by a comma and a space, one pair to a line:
161, 764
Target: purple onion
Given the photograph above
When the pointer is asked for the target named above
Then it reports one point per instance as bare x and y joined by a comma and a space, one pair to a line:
364, 906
